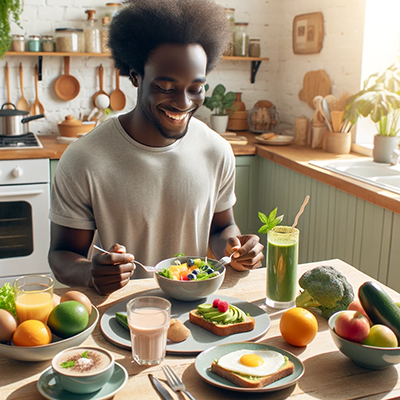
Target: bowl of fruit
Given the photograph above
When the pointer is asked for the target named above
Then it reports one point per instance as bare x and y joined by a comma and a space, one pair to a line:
368, 332
71, 320
189, 278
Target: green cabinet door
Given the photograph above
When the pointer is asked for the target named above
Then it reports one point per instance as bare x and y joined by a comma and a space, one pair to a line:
246, 189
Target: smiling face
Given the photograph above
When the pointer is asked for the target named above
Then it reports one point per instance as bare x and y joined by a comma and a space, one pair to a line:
172, 89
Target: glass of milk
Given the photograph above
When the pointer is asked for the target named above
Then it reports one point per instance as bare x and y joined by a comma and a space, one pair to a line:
148, 319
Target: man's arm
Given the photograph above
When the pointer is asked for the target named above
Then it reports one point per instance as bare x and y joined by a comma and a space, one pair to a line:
68, 260
225, 238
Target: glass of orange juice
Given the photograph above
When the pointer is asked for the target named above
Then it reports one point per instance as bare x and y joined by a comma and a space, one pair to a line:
33, 297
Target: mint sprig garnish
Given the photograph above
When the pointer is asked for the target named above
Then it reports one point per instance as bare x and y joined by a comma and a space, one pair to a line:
68, 364
269, 222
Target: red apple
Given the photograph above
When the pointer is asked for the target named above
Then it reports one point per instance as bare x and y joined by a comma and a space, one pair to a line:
352, 325
357, 306
381, 336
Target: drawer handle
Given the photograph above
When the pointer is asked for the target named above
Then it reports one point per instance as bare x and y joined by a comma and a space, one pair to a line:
27, 193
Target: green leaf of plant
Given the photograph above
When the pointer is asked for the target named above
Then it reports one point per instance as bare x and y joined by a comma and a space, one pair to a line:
85, 354
68, 364
263, 229
263, 218
272, 214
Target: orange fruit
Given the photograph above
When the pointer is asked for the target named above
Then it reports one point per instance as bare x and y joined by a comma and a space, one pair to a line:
298, 326
32, 333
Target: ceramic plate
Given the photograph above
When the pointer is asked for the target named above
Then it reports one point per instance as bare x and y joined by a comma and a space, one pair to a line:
48, 351
115, 384
279, 140
199, 339
204, 360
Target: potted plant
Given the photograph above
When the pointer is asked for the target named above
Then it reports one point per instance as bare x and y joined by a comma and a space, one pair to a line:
9, 9
219, 102
380, 100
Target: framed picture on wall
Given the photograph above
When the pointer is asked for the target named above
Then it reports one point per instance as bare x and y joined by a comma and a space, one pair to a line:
308, 33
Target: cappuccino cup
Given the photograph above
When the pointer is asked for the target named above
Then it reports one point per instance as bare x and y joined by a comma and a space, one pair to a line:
81, 370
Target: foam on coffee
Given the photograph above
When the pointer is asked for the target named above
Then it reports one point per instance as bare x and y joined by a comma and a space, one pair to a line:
82, 361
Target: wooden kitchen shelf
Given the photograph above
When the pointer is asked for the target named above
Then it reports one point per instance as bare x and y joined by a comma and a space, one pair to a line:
255, 61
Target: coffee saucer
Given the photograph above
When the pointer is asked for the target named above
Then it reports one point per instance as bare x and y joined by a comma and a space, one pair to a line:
54, 392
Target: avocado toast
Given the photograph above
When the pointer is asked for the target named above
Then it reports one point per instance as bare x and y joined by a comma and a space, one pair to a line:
221, 318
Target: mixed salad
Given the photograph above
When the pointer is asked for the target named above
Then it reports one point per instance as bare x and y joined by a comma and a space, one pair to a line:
192, 270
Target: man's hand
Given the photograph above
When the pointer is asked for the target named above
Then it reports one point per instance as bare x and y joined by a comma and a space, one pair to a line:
248, 252
111, 272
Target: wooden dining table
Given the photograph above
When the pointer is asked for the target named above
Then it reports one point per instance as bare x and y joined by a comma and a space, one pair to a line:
328, 373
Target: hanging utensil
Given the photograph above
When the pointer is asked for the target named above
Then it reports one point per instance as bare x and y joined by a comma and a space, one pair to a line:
37, 106
101, 91
8, 87
22, 103
117, 97
67, 87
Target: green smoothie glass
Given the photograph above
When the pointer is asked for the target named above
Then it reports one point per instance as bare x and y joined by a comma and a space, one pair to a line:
282, 257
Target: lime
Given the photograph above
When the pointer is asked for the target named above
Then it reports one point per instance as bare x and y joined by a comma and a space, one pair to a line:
68, 319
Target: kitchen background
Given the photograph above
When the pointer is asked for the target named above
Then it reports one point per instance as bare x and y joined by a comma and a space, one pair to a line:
278, 80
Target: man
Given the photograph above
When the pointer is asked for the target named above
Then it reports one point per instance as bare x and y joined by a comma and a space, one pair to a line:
155, 179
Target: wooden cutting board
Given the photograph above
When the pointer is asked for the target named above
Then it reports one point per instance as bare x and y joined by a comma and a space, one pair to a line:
314, 83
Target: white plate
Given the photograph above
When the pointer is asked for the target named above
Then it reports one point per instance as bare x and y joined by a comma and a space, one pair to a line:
204, 360
279, 140
199, 339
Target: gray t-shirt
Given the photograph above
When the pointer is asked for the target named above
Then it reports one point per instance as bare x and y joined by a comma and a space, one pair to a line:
156, 201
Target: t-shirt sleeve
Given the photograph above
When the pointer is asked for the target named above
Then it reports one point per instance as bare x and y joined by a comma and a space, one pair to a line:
70, 205
226, 196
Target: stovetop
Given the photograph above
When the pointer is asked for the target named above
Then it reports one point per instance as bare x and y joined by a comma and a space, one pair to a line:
26, 141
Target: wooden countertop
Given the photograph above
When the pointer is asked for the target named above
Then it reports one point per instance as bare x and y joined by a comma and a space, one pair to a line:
328, 373
292, 156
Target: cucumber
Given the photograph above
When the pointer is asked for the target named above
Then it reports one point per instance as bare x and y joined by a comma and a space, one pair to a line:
122, 319
380, 308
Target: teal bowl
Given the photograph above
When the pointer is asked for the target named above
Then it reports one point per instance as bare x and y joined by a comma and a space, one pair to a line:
369, 357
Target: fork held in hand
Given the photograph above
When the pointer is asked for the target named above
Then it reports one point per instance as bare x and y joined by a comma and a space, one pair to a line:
175, 382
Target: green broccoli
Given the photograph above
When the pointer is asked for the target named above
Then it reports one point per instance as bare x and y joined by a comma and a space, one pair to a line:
325, 288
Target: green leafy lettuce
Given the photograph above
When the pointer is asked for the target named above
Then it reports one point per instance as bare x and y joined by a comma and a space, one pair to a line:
7, 299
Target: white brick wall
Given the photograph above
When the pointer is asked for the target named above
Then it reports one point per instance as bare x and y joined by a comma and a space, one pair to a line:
278, 80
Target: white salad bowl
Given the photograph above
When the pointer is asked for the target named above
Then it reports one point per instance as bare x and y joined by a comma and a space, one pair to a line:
188, 290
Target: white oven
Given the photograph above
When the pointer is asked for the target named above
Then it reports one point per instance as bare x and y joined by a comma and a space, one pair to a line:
24, 222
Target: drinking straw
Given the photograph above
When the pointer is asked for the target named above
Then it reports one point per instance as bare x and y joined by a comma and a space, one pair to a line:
300, 212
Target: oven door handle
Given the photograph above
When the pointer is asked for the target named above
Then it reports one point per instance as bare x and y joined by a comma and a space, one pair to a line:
27, 193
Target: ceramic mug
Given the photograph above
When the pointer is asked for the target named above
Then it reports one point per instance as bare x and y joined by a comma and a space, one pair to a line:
81, 370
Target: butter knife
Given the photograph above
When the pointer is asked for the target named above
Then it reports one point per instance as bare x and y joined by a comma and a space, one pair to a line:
159, 387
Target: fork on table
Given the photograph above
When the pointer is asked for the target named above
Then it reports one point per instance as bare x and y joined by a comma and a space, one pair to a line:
175, 382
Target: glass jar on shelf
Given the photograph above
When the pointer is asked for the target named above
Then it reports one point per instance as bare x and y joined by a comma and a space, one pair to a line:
69, 40
18, 43
34, 43
104, 35
241, 40
230, 15
254, 47
47, 43
112, 9
91, 34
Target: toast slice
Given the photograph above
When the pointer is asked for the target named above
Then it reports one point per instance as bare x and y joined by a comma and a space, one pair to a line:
253, 382
223, 329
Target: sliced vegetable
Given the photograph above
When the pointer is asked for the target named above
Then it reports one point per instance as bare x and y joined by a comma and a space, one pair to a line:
122, 319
